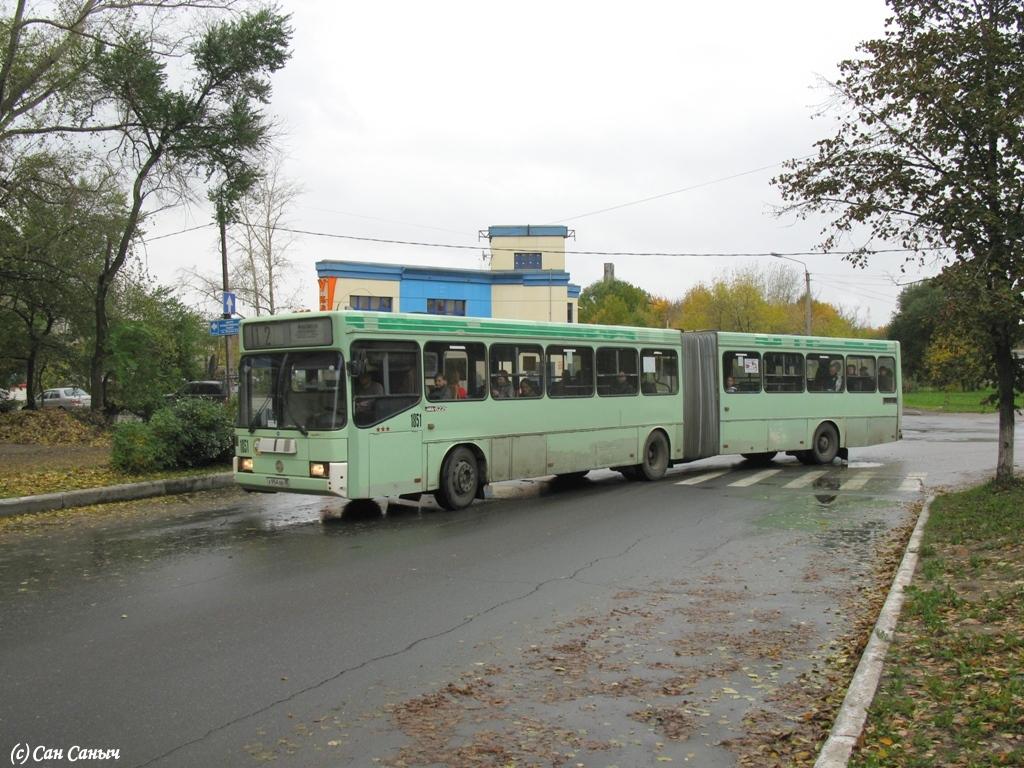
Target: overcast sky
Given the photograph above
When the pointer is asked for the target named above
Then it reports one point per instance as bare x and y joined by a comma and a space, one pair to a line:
431, 121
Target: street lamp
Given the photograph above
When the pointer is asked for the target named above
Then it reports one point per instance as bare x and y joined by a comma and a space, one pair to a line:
807, 289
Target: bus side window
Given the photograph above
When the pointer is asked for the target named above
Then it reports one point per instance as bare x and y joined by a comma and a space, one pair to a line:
616, 371
825, 373
783, 372
459, 366
510, 366
741, 372
659, 372
390, 382
860, 374
570, 371
887, 374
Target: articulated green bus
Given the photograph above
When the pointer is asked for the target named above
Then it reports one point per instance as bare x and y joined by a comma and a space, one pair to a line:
370, 404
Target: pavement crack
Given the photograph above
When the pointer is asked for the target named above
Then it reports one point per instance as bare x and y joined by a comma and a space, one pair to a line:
383, 657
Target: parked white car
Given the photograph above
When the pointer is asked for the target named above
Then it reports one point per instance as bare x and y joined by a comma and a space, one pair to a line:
66, 398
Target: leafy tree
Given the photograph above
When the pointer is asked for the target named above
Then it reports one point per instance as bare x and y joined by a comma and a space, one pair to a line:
169, 135
929, 153
754, 300
917, 314
53, 222
156, 343
616, 302
49, 54
952, 360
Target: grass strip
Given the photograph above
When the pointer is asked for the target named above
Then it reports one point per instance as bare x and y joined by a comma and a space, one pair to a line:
31, 482
952, 693
950, 402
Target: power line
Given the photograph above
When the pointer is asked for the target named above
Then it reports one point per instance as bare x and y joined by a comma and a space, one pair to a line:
673, 254
179, 232
674, 192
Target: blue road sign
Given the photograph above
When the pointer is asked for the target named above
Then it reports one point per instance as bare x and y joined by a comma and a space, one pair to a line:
229, 303
224, 327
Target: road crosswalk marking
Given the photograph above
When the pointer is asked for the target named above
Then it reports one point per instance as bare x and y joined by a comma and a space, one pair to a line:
857, 482
913, 482
757, 477
805, 479
702, 478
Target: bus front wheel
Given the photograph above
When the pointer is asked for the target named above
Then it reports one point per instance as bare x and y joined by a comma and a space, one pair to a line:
825, 445
460, 476
655, 457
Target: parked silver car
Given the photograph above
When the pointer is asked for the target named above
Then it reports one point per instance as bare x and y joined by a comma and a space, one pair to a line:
66, 398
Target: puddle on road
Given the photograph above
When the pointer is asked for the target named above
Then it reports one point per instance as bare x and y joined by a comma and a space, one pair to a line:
823, 507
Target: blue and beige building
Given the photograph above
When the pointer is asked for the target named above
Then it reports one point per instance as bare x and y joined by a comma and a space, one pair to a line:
527, 280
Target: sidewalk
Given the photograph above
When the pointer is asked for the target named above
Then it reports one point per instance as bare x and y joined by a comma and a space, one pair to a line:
48, 502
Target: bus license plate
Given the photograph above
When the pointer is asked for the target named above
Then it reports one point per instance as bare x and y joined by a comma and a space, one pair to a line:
280, 482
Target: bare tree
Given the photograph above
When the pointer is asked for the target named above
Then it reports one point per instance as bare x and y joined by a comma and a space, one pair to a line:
261, 264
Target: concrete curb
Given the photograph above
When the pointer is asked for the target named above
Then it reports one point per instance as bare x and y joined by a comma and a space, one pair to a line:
48, 502
846, 730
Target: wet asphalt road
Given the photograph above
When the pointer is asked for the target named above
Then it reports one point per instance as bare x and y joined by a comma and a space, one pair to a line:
228, 629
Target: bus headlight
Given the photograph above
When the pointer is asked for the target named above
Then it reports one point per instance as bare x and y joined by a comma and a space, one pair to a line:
244, 464
319, 469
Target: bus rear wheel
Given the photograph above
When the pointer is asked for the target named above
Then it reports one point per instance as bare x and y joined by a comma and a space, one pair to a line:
655, 457
460, 477
825, 445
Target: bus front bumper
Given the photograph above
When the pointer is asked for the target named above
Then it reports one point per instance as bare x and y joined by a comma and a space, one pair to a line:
335, 484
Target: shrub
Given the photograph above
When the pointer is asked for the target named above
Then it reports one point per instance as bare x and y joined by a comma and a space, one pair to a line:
188, 433
196, 431
136, 449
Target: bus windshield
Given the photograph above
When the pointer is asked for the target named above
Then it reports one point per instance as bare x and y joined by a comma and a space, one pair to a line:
292, 390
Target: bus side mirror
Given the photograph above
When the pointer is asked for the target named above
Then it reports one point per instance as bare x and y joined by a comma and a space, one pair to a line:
356, 367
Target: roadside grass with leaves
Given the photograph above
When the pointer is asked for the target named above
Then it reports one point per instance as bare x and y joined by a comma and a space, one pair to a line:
973, 401
53, 451
952, 693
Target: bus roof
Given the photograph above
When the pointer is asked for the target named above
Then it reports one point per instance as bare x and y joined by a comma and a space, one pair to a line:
422, 324
764, 341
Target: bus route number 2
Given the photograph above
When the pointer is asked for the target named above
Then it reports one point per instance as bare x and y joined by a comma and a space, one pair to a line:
416, 420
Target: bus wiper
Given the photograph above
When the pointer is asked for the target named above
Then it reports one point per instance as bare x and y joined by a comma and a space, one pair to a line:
284, 396
254, 421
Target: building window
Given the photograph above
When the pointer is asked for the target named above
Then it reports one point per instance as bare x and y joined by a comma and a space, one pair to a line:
527, 261
371, 303
568, 312
446, 307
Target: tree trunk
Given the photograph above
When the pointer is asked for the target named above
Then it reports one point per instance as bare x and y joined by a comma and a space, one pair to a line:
1005, 380
30, 376
112, 265
99, 353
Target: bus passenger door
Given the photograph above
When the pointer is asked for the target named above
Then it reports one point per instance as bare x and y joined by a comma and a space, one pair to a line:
396, 455
388, 412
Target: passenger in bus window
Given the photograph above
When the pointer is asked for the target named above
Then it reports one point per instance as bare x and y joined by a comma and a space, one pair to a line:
885, 382
366, 390
440, 390
458, 389
367, 387
835, 377
501, 388
622, 385
526, 388
730, 384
